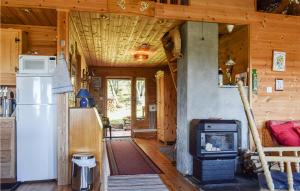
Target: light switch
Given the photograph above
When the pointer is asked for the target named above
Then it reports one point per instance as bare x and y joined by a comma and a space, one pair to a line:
269, 89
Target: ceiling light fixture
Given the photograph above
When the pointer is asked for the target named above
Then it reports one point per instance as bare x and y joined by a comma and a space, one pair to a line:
230, 62
230, 28
141, 57
142, 53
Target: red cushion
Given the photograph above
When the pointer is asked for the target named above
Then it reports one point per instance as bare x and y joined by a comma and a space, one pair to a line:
297, 129
285, 134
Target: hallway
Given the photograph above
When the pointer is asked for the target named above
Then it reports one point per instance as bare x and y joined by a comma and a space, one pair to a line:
173, 180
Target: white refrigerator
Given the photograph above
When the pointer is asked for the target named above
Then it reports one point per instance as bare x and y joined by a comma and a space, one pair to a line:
36, 128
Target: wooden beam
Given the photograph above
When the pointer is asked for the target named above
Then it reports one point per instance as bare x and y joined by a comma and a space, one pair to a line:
62, 102
86, 5
282, 6
205, 10
218, 14
131, 6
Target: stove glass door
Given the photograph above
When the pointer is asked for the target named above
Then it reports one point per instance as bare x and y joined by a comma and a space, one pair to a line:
219, 142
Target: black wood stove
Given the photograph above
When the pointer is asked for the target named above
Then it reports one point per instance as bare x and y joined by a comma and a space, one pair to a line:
214, 145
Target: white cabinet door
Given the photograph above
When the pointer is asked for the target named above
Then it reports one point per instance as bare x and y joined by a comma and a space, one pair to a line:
35, 90
36, 142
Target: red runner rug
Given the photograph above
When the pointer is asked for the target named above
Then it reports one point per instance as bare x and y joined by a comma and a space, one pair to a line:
127, 158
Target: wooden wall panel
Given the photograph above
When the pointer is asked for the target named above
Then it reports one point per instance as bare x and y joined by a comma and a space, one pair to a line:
77, 58
236, 45
40, 39
92, 5
28, 16
244, 4
85, 132
133, 73
266, 38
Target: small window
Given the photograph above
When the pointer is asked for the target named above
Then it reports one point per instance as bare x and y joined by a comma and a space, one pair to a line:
140, 98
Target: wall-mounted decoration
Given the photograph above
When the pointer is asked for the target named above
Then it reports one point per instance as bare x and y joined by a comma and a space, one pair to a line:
96, 82
121, 4
279, 61
279, 85
254, 81
144, 6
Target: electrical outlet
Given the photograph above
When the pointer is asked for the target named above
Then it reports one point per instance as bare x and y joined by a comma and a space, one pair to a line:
269, 90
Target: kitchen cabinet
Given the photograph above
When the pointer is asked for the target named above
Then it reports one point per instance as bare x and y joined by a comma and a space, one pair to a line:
13, 43
8, 149
166, 107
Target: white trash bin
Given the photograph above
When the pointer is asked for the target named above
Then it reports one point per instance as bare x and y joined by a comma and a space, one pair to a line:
82, 171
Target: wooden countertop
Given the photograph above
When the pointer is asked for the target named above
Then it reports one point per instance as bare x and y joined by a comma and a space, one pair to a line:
7, 118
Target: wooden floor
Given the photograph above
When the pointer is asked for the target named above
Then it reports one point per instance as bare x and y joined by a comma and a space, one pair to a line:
173, 180
171, 177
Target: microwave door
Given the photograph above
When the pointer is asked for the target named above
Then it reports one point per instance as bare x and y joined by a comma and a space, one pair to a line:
33, 66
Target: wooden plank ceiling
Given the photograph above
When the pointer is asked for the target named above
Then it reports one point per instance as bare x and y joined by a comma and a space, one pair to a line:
288, 7
113, 39
28, 16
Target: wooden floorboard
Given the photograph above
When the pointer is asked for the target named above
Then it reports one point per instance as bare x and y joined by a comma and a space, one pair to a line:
174, 180
171, 177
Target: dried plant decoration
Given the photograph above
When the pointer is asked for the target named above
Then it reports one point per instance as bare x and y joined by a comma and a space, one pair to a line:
144, 6
121, 4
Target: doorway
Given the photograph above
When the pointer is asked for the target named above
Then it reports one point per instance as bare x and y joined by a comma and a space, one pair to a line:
119, 98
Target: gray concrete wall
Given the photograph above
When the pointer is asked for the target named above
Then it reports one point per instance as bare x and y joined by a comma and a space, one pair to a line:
198, 93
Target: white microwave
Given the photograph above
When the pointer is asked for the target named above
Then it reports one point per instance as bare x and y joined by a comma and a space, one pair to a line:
32, 64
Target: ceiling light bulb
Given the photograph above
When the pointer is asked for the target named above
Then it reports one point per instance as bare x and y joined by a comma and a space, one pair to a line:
230, 28
141, 57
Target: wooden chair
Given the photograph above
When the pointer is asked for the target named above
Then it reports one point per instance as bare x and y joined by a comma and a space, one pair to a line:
270, 180
106, 125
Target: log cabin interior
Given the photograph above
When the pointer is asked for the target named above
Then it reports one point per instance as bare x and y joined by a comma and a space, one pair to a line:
150, 95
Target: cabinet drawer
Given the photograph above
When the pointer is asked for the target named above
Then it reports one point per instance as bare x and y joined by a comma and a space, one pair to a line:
7, 123
5, 144
8, 79
7, 170
5, 156
6, 132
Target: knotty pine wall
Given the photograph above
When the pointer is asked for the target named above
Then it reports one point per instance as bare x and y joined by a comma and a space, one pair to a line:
40, 39
132, 73
266, 37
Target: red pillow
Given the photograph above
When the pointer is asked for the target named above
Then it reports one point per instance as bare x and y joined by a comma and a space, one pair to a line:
285, 134
297, 129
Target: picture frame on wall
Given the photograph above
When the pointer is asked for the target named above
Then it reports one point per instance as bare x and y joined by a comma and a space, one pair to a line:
279, 59
279, 84
96, 82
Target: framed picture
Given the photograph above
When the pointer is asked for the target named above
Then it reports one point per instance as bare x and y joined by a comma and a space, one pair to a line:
96, 82
279, 85
279, 61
